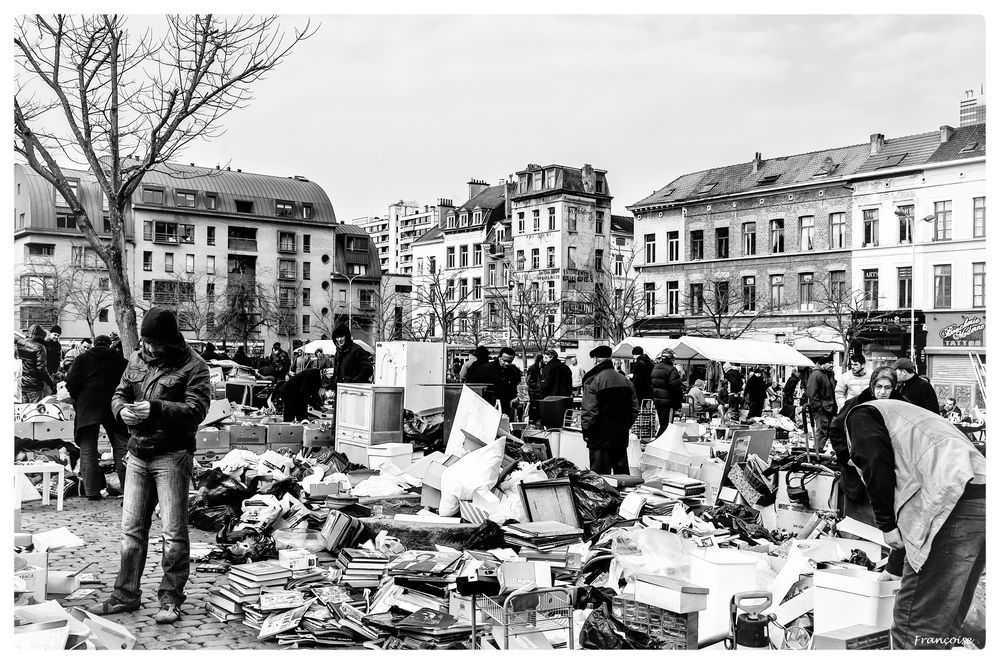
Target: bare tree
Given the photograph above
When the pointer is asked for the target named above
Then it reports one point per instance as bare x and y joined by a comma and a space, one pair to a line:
615, 303
328, 314
246, 307
88, 293
42, 289
122, 105
196, 309
390, 312
280, 311
440, 295
849, 313
724, 307
533, 318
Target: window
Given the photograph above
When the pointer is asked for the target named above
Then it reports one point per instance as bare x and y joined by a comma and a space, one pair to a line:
165, 232
942, 221
210, 291
871, 289
599, 223
306, 322
357, 269
722, 297
697, 299
649, 299
184, 198
618, 295
449, 258
550, 257
598, 260
777, 236
673, 298
550, 178
571, 219
536, 220
650, 248
979, 284
520, 222
20, 217
450, 221
38, 286
286, 297
306, 270
777, 291
722, 243
210, 265
463, 289
749, 294
463, 256
905, 215
838, 286
979, 216
147, 290
552, 218
65, 220
673, 246
537, 178
307, 213
463, 220
942, 286
535, 258
286, 269
520, 259
697, 245
168, 262
449, 291
551, 290
147, 231
211, 202
41, 249
477, 254
522, 183
189, 263
102, 315
211, 235
807, 228
286, 241
749, 238
904, 287
187, 233
491, 275
152, 196
477, 288
306, 297
477, 218
870, 220
357, 244
619, 265
806, 291
244, 207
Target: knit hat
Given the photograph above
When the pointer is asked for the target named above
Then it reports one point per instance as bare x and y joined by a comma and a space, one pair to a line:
601, 352
55, 329
667, 354
159, 325
637, 350
905, 364
341, 331
102, 340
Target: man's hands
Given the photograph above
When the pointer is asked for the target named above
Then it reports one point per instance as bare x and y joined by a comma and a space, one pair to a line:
893, 539
135, 413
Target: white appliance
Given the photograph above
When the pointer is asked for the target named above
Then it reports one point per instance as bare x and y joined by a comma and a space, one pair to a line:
410, 365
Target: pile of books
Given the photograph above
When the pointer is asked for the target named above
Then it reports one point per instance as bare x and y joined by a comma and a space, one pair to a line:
429, 572
432, 629
361, 568
543, 536
335, 620
340, 530
663, 493
243, 588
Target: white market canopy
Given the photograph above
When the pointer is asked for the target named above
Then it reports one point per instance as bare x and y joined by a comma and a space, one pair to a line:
330, 348
736, 351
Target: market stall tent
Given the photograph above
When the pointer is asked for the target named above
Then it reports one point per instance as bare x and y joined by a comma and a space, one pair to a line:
330, 348
736, 351
652, 346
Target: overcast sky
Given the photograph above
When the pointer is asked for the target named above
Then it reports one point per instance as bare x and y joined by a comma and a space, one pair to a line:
382, 108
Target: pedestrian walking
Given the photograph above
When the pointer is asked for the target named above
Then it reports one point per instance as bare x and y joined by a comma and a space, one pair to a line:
163, 396
91, 383
35, 376
668, 389
610, 408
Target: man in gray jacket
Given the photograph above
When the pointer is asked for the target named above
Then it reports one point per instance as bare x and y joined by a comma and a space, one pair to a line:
822, 401
609, 410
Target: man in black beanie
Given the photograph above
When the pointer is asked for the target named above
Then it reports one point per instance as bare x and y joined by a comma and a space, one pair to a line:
163, 396
53, 352
609, 410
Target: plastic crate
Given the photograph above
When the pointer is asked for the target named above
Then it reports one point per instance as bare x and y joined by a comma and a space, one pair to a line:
678, 630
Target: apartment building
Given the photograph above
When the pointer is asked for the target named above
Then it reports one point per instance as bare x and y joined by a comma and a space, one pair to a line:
193, 232
394, 234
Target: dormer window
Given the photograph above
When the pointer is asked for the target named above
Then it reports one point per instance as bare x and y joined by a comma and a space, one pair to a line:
184, 198
477, 218
450, 223
74, 186
970, 147
283, 209
152, 196
600, 185
538, 180
463, 220
550, 178
768, 179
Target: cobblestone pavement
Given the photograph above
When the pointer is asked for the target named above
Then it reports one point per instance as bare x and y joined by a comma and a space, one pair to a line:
98, 523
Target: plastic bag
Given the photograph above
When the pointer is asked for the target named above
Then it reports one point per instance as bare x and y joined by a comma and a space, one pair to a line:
378, 486
217, 488
310, 540
210, 518
595, 498
652, 551
479, 469
593, 597
487, 536
260, 486
602, 632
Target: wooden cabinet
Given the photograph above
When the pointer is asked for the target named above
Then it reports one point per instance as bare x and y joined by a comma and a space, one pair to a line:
369, 414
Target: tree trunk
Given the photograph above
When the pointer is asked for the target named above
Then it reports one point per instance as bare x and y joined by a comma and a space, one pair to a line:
124, 304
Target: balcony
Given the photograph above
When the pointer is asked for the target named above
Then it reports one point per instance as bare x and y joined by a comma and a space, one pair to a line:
283, 247
286, 275
166, 238
242, 244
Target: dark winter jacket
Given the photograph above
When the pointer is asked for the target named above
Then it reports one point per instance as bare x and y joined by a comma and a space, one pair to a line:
280, 363
668, 388
34, 367
850, 480
91, 382
352, 363
176, 385
642, 377
480, 372
820, 392
241, 358
533, 376
556, 380
304, 387
735, 379
609, 408
53, 355
919, 391
756, 389
505, 379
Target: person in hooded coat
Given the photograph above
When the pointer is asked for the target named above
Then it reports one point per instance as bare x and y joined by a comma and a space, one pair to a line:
479, 371
210, 353
788, 396
352, 364
241, 358
642, 374
91, 382
533, 377
756, 393
35, 376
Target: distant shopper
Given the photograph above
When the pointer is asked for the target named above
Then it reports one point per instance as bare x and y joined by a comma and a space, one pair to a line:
951, 411
852, 382
320, 360
822, 400
78, 349
479, 370
299, 360
210, 353
609, 410
788, 396
533, 377
642, 374
668, 389
927, 485
915, 389
352, 363
556, 378
35, 376
577, 372
506, 378
756, 393
91, 382
734, 384
299, 392
53, 352
279, 362
241, 358
701, 402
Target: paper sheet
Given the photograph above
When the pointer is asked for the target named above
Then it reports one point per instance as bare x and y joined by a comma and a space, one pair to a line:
474, 415
56, 539
862, 530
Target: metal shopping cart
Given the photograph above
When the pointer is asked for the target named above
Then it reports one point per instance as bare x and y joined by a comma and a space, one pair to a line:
529, 612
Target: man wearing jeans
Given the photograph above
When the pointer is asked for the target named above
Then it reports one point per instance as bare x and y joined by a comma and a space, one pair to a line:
927, 485
163, 396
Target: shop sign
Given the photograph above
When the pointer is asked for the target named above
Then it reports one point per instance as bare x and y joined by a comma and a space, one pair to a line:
967, 333
871, 274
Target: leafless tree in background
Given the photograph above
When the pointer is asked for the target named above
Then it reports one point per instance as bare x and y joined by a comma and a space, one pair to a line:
724, 309
90, 92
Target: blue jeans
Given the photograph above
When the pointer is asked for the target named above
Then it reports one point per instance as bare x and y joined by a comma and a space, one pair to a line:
931, 605
165, 478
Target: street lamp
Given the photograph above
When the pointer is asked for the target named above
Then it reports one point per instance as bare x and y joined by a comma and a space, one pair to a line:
904, 215
350, 287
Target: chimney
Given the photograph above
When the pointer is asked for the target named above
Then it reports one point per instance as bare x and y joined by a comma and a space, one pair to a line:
756, 163
877, 142
476, 187
946, 133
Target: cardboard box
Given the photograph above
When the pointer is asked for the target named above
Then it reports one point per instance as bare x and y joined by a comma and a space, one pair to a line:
108, 635
210, 439
324, 489
52, 430
35, 573
284, 434
62, 583
218, 410
24, 429
296, 559
670, 594
241, 435
313, 436
430, 493
855, 637
514, 575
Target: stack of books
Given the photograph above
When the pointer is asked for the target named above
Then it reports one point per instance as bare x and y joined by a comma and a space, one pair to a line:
243, 588
430, 629
361, 568
429, 572
341, 530
543, 536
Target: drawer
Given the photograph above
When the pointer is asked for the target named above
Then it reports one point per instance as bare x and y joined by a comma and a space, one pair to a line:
354, 451
354, 435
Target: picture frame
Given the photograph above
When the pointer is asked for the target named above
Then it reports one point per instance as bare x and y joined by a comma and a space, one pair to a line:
550, 500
